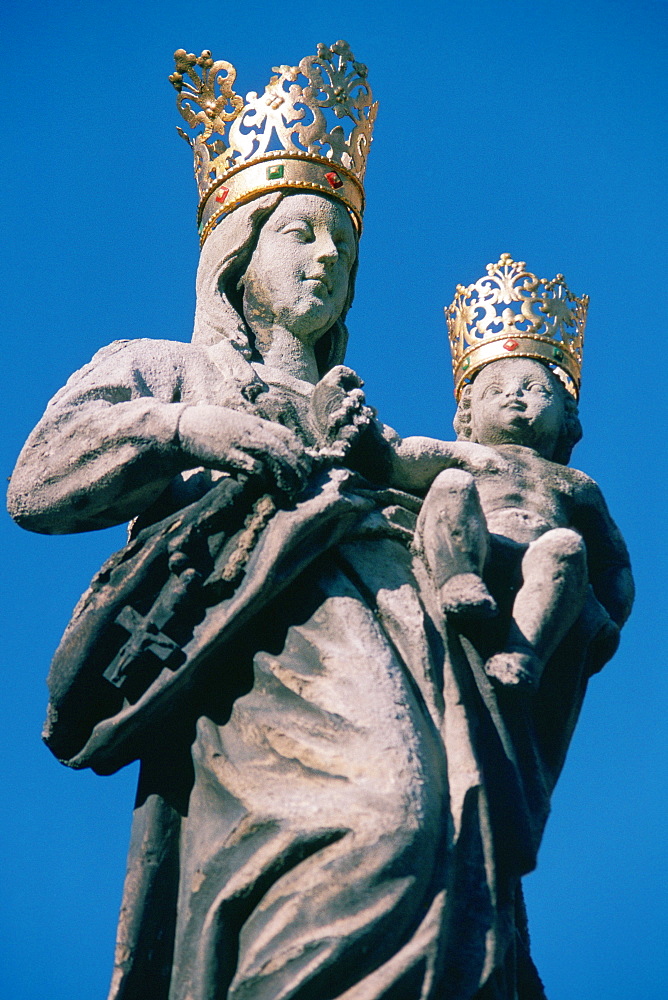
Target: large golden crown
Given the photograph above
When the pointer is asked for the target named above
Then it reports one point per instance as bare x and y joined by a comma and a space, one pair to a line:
282, 139
512, 313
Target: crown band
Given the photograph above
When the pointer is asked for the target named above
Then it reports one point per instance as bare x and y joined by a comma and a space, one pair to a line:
503, 346
280, 171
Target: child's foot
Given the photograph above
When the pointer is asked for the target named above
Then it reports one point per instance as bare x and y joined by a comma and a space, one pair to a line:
515, 670
465, 597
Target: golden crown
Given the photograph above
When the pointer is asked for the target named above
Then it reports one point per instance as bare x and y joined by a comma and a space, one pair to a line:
512, 313
282, 139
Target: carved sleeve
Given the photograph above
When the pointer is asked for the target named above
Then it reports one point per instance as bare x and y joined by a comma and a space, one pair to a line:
105, 448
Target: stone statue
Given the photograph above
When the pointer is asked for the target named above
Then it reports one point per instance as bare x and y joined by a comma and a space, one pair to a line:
350, 664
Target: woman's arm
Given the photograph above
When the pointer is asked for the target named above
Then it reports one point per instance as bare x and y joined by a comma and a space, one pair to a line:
95, 465
114, 437
607, 556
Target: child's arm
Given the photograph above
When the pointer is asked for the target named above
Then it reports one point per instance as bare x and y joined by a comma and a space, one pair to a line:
607, 555
416, 461
340, 416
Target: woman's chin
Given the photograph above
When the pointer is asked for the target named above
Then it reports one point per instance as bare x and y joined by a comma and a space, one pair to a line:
311, 324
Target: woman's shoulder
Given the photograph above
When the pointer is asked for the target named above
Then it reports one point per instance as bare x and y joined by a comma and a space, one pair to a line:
146, 351
127, 355
152, 367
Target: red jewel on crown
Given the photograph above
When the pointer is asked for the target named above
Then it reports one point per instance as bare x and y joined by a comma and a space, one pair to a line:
222, 194
333, 179
511, 345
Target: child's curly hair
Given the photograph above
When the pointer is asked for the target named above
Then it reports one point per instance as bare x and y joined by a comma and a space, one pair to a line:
571, 431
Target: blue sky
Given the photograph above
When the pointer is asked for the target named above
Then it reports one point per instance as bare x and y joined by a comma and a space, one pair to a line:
535, 128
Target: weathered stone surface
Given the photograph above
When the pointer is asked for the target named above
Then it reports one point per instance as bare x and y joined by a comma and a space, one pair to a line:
350, 664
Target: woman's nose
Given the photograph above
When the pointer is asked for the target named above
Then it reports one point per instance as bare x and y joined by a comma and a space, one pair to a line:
326, 249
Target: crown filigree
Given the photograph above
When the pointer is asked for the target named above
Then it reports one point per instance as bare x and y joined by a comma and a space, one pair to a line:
292, 136
512, 313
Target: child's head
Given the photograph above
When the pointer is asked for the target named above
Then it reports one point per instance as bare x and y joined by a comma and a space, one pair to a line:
519, 401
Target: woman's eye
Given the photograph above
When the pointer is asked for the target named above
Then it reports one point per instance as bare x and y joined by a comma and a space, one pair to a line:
301, 233
492, 390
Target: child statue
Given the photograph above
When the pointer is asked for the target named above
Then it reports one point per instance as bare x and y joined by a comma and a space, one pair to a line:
508, 509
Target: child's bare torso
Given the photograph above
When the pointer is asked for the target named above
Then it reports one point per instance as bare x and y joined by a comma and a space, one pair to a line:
522, 494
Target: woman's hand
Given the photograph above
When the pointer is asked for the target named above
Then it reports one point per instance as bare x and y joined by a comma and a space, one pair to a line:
339, 410
220, 438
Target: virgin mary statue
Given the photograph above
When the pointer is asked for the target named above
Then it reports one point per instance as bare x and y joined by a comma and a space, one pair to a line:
332, 801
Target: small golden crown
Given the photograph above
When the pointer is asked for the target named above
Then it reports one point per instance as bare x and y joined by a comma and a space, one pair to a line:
512, 313
282, 139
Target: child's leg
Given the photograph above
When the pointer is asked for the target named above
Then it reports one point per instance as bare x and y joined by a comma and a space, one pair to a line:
452, 535
554, 574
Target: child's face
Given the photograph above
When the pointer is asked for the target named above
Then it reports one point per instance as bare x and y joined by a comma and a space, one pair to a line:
517, 401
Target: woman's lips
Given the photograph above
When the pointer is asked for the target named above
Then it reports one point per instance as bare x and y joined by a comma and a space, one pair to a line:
321, 280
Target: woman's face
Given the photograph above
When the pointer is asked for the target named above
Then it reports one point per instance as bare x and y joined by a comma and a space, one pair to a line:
299, 272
